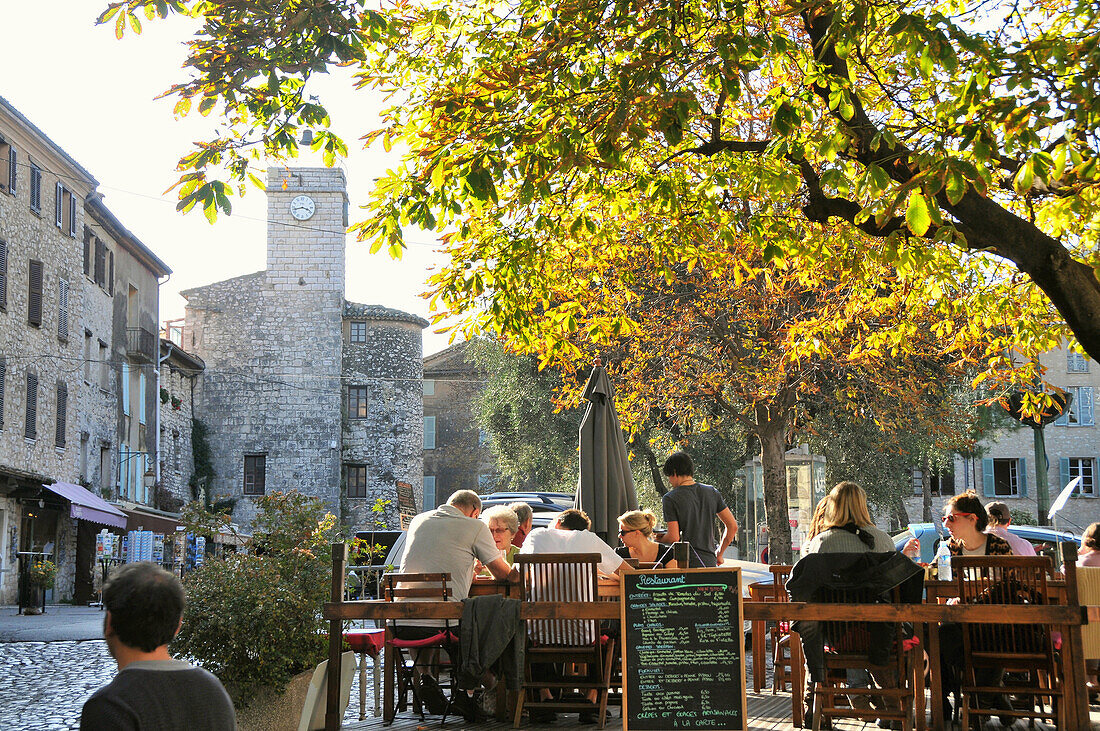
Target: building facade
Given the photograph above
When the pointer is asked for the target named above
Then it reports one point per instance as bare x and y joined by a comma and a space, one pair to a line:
1007, 467
73, 284
303, 390
457, 455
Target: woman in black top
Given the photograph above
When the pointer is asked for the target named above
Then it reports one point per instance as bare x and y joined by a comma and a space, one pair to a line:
636, 533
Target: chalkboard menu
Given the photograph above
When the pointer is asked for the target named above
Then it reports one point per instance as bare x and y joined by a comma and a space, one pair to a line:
683, 643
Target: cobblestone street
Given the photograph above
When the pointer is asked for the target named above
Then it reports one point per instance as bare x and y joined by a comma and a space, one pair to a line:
44, 684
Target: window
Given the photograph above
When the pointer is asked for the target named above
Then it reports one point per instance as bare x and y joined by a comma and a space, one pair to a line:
358, 332
357, 480
3, 275
1076, 363
1083, 467
30, 430
429, 432
87, 356
176, 450
1080, 411
12, 168
104, 367
59, 204
357, 402
34, 294
1004, 477
110, 272
3, 378
429, 492
255, 468
429, 387
62, 407
62, 309
36, 188
100, 263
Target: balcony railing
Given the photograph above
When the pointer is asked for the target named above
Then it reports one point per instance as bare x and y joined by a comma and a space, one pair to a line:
140, 345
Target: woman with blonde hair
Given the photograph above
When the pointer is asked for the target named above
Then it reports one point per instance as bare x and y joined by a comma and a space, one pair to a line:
846, 526
636, 533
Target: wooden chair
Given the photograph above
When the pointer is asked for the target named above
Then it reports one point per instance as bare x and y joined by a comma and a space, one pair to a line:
783, 649
851, 645
564, 578
421, 654
989, 649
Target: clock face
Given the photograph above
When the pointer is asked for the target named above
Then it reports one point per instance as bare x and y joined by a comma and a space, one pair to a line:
302, 207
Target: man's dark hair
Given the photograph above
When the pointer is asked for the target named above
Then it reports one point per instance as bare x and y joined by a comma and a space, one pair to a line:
574, 519
679, 464
146, 603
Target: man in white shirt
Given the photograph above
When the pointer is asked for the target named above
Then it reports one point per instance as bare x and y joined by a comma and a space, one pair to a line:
999, 520
571, 533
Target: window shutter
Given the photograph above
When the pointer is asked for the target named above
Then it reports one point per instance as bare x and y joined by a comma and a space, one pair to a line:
34, 294
987, 478
11, 170
87, 251
1063, 420
3, 275
36, 189
59, 203
1063, 472
63, 309
126, 389
30, 431
1021, 473
72, 215
100, 263
3, 378
62, 405
1085, 410
111, 272
141, 397
261, 474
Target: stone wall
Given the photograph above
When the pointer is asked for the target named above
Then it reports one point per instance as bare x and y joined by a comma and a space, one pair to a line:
177, 461
389, 441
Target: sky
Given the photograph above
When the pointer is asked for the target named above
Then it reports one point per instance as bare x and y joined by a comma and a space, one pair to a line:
94, 96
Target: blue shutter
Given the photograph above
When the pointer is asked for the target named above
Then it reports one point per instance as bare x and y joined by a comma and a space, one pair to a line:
987, 478
1021, 472
1063, 472
126, 389
1084, 408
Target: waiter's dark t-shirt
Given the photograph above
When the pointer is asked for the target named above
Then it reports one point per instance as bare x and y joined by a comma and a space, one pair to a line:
694, 508
160, 695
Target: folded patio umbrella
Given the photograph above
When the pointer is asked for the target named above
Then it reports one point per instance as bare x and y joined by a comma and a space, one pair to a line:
605, 487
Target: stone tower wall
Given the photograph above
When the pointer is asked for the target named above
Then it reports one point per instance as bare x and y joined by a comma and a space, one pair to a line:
272, 346
390, 441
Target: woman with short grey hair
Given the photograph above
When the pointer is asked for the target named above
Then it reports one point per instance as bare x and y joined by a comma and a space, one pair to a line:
503, 524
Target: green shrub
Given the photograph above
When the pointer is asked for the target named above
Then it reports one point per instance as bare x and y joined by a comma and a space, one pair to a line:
1021, 517
254, 619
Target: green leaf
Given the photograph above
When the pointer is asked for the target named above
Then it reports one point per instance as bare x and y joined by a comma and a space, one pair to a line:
955, 185
916, 215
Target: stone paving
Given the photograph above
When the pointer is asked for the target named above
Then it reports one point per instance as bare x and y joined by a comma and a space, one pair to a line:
44, 684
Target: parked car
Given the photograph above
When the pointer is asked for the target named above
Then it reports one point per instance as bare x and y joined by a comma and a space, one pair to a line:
1046, 540
564, 499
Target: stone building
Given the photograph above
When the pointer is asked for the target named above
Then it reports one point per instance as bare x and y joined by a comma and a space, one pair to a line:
456, 453
177, 377
75, 287
1006, 469
303, 390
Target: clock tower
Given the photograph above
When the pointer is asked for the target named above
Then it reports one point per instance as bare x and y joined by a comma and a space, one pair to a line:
307, 215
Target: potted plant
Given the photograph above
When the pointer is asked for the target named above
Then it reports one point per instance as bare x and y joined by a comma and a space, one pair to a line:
43, 573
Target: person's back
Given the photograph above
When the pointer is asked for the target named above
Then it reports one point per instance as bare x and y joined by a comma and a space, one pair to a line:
447, 541
163, 695
691, 509
144, 610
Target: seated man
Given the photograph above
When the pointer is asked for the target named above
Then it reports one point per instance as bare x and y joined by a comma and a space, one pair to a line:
570, 533
448, 540
526, 519
144, 606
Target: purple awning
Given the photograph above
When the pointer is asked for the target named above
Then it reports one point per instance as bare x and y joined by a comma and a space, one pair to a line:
87, 506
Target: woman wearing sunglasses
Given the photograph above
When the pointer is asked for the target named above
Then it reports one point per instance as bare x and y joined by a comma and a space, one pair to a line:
636, 533
966, 520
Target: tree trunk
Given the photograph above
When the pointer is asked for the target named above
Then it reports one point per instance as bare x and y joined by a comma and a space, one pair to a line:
926, 490
900, 513
639, 444
771, 427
